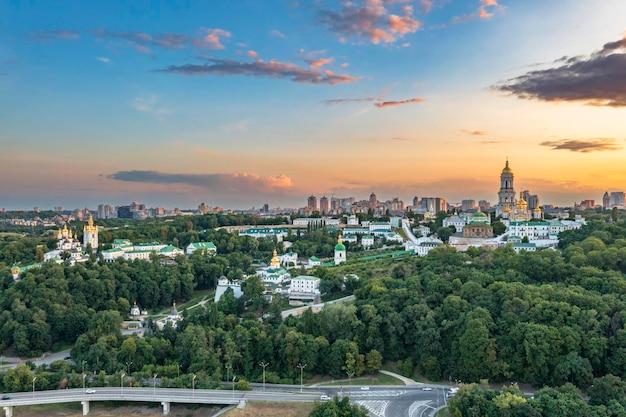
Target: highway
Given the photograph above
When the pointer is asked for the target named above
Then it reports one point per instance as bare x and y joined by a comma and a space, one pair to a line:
381, 401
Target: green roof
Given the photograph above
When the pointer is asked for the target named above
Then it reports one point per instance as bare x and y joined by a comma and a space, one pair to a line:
305, 278
203, 245
340, 246
314, 258
169, 248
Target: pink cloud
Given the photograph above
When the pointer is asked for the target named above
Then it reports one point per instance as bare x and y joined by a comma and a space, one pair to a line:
253, 55
316, 63
370, 19
213, 37
398, 103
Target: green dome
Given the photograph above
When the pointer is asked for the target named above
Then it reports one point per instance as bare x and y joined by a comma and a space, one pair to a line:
340, 246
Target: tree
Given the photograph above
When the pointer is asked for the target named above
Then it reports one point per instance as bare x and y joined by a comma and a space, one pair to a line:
338, 408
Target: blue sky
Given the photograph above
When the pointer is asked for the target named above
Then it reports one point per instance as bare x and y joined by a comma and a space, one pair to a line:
241, 103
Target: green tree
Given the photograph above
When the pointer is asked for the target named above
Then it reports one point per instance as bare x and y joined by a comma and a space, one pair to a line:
338, 408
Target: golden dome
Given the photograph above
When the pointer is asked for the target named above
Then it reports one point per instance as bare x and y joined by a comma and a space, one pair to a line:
507, 209
507, 169
537, 209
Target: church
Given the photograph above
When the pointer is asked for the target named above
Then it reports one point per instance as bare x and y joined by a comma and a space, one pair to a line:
508, 207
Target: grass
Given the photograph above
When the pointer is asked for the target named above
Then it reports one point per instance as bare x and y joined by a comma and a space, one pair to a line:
272, 410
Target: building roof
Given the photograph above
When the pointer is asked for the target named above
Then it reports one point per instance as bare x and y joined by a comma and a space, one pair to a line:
202, 245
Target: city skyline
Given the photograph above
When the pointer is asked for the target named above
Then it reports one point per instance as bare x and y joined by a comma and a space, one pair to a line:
239, 104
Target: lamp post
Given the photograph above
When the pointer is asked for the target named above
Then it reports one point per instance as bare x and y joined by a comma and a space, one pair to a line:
263, 364
122, 382
178, 370
234, 377
34, 379
228, 366
301, 370
128, 366
84, 376
154, 385
193, 386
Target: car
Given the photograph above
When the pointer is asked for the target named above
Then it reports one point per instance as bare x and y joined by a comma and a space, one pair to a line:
67, 358
364, 388
90, 391
427, 389
6, 397
324, 397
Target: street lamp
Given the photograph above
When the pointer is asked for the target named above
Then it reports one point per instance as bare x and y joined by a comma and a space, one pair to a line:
84, 366
178, 370
34, 379
128, 366
234, 377
301, 369
228, 366
122, 382
263, 364
84, 375
154, 386
193, 386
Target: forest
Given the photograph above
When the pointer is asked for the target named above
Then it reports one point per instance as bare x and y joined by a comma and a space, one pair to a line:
552, 318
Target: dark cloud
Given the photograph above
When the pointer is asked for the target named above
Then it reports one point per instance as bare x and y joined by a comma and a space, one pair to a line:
49, 35
271, 69
584, 146
398, 103
370, 20
599, 79
338, 101
232, 183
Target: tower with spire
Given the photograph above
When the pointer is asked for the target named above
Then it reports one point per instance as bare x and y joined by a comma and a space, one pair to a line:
340, 251
506, 195
90, 234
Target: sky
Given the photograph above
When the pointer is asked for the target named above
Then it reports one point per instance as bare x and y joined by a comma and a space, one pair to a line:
241, 103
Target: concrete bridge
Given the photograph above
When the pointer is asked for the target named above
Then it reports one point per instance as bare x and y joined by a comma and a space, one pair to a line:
164, 396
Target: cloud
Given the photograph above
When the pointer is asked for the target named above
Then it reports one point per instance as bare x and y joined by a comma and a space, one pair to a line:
397, 103
252, 54
271, 69
148, 104
485, 11
370, 20
584, 146
103, 59
598, 80
337, 101
49, 35
426, 6
317, 63
213, 38
276, 34
474, 132
229, 183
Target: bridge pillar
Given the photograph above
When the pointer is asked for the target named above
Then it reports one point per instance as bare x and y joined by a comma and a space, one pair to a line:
8, 411
166, 407
85, 407
242, 404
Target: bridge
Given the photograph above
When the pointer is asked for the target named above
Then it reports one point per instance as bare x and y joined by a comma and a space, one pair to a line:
164, 396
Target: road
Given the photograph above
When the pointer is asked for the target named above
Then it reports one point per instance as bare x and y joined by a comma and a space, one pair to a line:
380, 401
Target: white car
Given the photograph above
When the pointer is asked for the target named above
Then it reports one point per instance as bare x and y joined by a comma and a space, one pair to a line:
324, 398
427, 389
90, 391
364, 388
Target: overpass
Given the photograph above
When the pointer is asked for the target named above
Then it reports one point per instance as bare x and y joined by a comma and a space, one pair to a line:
164, 396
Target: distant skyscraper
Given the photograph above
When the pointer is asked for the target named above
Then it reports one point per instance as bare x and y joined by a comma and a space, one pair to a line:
373, 201
484, 205
606, 200
616, 199
434, 204
266, 208
468, 205
312, 202
416, 201
124, 212
334, 203
324, 207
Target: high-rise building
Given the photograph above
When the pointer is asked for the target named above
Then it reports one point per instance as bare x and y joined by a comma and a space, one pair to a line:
373, 201
416, 201
616, 199
434, 204
312, 202
468, 205
606, 200
484, 205
124, 212
324, 207
531, 199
